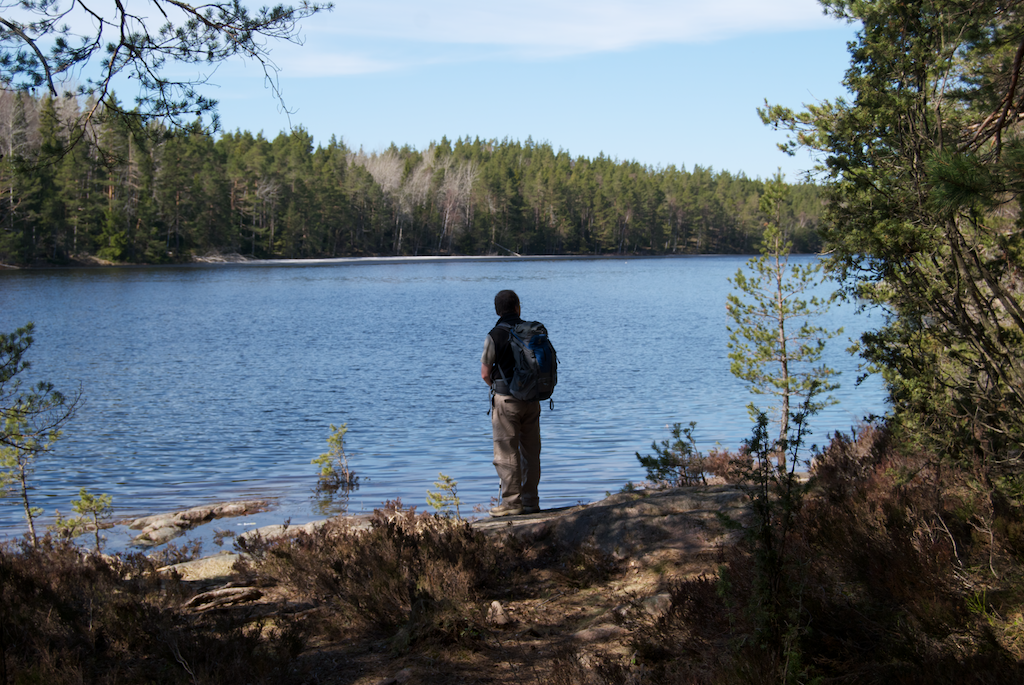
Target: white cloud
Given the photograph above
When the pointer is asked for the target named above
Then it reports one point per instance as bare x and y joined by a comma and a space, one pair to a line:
566, 26
306, 63
375, 36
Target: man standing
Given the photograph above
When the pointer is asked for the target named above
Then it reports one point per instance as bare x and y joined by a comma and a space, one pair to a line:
515, 423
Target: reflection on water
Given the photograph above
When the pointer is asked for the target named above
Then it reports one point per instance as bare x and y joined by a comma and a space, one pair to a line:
211, 383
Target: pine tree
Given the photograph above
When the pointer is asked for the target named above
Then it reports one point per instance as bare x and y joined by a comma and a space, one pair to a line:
30, 420
774, 346
923, 191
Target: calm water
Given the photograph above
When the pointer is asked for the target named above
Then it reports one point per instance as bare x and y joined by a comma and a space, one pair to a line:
209, 383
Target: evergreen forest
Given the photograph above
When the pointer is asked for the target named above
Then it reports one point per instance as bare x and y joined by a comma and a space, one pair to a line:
106, 186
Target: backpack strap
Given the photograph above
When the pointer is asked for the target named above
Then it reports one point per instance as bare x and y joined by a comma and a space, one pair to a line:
506, 383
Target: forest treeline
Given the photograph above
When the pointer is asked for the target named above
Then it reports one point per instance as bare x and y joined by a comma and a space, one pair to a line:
120, 191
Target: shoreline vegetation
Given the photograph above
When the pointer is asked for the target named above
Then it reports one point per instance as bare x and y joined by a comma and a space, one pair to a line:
132, 193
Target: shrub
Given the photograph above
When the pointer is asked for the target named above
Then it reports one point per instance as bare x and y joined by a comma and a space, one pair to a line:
732, 467
70, 617
446, 497
335, 473
416, 574
890, 552
677, 463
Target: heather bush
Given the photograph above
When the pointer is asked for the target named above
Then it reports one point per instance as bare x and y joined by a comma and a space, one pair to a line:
71, 617
172, 553
583, 566
892, 554
731, 467
893, 566
413, 573
689, 643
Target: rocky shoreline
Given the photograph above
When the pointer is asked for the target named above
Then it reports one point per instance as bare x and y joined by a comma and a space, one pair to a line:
646, 526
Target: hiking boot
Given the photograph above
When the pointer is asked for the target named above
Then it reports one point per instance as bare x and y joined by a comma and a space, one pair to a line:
531, 508
507, 510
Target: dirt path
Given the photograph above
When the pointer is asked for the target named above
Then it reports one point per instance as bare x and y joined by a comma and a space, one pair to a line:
631, 546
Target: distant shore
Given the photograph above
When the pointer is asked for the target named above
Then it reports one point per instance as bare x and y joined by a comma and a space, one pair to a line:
238, 259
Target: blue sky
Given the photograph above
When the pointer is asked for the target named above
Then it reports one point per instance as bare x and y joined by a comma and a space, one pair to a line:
660, 82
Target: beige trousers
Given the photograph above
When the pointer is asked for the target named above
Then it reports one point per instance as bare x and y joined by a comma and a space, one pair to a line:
516, 427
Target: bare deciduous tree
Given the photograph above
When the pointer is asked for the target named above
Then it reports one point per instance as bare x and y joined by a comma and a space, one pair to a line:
453, 198
413, 194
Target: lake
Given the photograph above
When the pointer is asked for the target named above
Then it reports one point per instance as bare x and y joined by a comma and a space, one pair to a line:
206, 383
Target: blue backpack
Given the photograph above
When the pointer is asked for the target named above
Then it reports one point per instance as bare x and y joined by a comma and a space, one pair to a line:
536, 364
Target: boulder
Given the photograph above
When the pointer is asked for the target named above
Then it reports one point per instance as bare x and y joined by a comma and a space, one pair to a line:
496, 614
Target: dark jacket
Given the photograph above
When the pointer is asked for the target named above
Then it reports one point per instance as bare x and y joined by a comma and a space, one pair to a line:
503, 353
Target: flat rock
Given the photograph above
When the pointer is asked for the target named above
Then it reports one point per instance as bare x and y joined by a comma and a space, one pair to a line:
208, 568
630, 523
200, 514
161, 528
